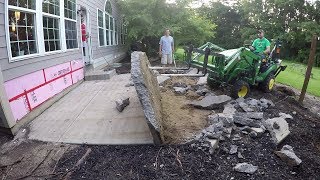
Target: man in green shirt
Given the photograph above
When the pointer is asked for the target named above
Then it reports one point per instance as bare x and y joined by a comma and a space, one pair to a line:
261, 44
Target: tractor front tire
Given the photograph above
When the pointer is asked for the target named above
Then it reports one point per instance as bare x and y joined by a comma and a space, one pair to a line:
212, 83
268, 84
240, 89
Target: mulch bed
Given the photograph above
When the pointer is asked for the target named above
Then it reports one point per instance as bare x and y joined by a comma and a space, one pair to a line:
186, 162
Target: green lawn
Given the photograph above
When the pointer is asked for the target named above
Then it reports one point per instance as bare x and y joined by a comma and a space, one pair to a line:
293, 76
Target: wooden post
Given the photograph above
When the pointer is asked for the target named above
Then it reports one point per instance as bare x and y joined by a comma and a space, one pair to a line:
309, 69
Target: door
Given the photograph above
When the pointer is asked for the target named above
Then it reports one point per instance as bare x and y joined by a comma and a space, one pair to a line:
85, 36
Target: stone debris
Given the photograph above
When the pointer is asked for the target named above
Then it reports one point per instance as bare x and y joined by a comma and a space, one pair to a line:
287, 155
233, 149
240, 156
230, 109
245, 168
211, 102
180, 90
213, 145
245, 107
258, 131
278, 129
162, 79
202, 91
122, 103
202, 80
180, 84
285, 116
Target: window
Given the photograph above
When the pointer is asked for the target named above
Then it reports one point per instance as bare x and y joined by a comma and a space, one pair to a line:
100, 28
22, 29
29, 37
51, 25
108, 32
70, 24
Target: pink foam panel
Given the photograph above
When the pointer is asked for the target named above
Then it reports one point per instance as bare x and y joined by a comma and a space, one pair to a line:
77, 75
60, 84
18, 85
57, 71
19, 108
40, 95
76, 64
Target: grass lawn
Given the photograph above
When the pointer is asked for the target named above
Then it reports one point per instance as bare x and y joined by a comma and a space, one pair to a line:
294, 76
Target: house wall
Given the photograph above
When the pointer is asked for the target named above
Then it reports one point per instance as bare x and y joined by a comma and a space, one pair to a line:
26, 84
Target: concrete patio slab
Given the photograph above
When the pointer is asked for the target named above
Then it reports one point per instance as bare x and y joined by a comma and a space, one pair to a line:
87, 115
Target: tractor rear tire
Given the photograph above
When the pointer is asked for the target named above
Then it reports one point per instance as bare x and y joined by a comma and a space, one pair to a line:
240, 89
268, 84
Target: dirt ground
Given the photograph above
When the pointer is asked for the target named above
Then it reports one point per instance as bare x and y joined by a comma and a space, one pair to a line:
180, 121
24, 159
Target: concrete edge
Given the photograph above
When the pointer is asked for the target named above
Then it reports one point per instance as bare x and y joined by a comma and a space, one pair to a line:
38, 111
144, 96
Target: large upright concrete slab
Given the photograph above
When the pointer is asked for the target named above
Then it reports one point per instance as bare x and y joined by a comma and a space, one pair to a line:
148, 92
87, 115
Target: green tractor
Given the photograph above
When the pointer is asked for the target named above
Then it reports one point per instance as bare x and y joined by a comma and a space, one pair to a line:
240, 68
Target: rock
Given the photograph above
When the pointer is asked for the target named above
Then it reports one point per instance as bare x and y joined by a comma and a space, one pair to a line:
245, 168
240, 99
214, 144
180, 90
259, 131
180, 84
287, 155
122, 103
285, 116
253, 134
226, 120
229, 109
202, 80
266, 103
236, 137
129, 84
245, 121
245, 107
211, 102
294, 113
162, 79
278, 134
252, 102
213, 118
251, 115
202, 92
216, 135
240, 155
233, 149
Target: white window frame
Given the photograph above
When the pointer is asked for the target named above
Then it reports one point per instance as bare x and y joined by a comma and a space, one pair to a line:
38, 21
64, 28
98, 27
111, 30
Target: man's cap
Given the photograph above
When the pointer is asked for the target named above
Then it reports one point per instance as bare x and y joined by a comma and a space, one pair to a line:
260, 31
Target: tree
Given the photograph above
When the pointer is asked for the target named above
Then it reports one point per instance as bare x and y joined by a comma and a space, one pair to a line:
147, 20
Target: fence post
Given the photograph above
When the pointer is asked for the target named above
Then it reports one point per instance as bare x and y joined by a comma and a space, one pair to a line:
309, 68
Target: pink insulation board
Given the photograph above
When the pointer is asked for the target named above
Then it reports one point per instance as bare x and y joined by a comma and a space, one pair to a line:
18, 85
41, 86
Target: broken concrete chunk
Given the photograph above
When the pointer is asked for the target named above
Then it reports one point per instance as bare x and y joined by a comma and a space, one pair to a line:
162, 79
251, 115
253, 134
244, 121
240, 155
180, 90
202, 80
229, 109
245, 168
285, 116
202, 91
233, 149
278, 134
259, 131
180, 84
252, 102
213, 118
245, 107
211, 102
214, 144
122, 103
287, 155
266, 103
226, 120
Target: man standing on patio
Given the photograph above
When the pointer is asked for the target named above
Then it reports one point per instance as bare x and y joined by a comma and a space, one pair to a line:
166, 48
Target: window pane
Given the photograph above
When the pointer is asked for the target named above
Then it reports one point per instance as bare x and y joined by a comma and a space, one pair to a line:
108, 37
101, 37
32, 47
51, 33
51, 6
14, 49
70, 9
100, 18
71, 34
13, 34
29, 4
107, 21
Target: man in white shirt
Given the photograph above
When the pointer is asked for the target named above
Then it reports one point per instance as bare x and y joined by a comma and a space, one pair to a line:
166, 48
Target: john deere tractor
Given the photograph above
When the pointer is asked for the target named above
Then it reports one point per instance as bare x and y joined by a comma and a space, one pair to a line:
239, 68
